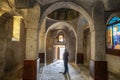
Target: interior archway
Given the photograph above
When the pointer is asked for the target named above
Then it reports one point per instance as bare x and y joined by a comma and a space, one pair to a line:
65, 29
69, 5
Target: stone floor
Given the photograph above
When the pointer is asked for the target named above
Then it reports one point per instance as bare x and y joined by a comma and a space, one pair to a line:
76, 72
53, 72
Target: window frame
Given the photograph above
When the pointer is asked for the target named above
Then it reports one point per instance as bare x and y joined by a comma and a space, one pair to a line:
111, 51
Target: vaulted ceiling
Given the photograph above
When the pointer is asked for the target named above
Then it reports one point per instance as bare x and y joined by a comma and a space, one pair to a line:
108, 4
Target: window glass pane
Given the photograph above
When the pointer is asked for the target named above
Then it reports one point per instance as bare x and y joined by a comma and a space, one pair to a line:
16, 28
109, 37
60, 38
114, 19
116, 36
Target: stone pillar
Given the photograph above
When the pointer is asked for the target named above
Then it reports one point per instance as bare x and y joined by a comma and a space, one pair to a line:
41, 48
42, 42
98, 65
31, 63
31, 44
31, 18
80, 55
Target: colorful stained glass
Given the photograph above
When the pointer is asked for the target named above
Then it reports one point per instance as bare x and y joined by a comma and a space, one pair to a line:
116, 36
109, 37
113, 20
113, 33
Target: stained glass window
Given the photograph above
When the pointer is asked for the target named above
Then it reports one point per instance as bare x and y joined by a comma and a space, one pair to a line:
114, 19
113, 33
109, 37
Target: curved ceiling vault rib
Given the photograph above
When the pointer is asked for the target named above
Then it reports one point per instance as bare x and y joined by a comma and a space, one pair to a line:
62, 23
69, 5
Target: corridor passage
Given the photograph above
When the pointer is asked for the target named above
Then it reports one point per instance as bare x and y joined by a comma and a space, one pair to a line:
54, 71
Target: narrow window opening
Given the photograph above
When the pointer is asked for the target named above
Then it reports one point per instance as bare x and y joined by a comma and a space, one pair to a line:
60, 38
16, 28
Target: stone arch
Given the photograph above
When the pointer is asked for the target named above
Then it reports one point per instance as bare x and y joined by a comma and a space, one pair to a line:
95, 21
64, 24
60, 31
70, 5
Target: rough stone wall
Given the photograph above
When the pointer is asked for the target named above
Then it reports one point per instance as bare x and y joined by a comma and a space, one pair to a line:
71, 46
69, 42
2, 49
4, 19
113, 64
15, 50
49, 48
86, 46
42, 37
111, 4
83, 38
31, 17
82, 22
12, 53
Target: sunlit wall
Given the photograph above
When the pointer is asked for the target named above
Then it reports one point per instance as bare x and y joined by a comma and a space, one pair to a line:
16, 28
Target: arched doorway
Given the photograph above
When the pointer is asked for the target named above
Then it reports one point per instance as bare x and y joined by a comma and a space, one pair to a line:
69, 41
68, 5
94, 24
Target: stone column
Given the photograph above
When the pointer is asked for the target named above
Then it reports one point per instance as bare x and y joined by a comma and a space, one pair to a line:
31, 44
42, 42
41, 48
98, 64
31, 62
80, 55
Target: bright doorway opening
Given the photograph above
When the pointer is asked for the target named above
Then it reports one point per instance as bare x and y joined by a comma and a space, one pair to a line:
58, 51
61, 51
